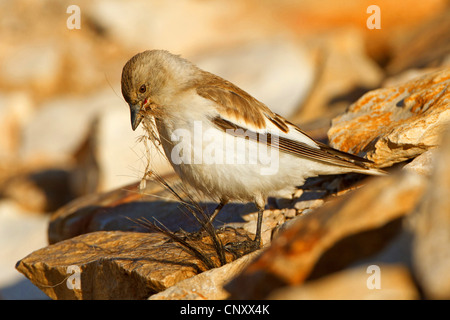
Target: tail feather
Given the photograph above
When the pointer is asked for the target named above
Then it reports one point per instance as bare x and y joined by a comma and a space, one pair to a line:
371, 171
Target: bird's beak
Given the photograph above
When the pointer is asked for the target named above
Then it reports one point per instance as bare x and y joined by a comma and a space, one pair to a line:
136, 116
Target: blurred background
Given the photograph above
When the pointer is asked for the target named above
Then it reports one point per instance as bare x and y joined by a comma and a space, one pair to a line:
65, 129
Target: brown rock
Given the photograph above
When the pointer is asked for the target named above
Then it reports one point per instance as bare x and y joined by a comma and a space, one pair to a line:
15, 111
207, 285
430, 225
36, 64
413, 50
40, 191
116, 265
337, 53
45, 188
271, 220
279, 85
395, 283
398, 19
342, 231
422, 164
390, 125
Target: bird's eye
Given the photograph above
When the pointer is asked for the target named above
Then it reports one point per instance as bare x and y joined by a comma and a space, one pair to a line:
142, 88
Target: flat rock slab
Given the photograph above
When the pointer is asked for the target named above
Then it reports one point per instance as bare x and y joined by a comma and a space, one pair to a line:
208, 285
116, 265
352, 284
391, 125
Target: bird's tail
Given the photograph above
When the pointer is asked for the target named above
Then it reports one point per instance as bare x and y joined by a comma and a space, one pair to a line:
372, 171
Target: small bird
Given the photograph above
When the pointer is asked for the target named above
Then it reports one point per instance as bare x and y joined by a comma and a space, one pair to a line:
221, 140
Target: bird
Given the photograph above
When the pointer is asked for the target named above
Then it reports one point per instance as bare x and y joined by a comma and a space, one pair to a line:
222, 141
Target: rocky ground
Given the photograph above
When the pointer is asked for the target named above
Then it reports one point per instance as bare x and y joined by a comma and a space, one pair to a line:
76, 222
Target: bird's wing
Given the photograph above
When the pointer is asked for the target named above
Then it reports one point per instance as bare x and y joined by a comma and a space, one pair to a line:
239, 112
234, 103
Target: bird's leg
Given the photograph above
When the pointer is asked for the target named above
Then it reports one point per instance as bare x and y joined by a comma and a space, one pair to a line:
238, 249
258, 228
260, 203
217, 210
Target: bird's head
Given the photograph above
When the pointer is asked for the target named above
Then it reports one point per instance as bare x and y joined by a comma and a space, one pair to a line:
150, 79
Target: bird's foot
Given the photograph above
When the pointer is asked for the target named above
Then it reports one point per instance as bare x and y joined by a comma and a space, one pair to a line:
241, 248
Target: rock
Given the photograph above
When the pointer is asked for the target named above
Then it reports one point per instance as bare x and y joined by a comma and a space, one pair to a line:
37, 64
282, 84
48, 140
337, 53
188, 19
406, 76
413, 51
348, 228
46, 61
40, 191
271, 220
51, 139
422, 164
85, 177
116, 265
45, 188
289, 213
391, 125
308, 204
396, 283
21, 232
307, 199
207, 285
115, 137
316, 18
15, 111
430, 225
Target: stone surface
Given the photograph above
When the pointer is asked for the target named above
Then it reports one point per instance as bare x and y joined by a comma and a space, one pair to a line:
116, 265
194, 26
398, 20
36, 64
15, 111
56, 140
352, 226
337, 53
21, 232
207, 285
413, 50
283, 84
271, 220
422, 164
45, 140
395, 282
390, 125
115, 138
40, 191
430, 224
